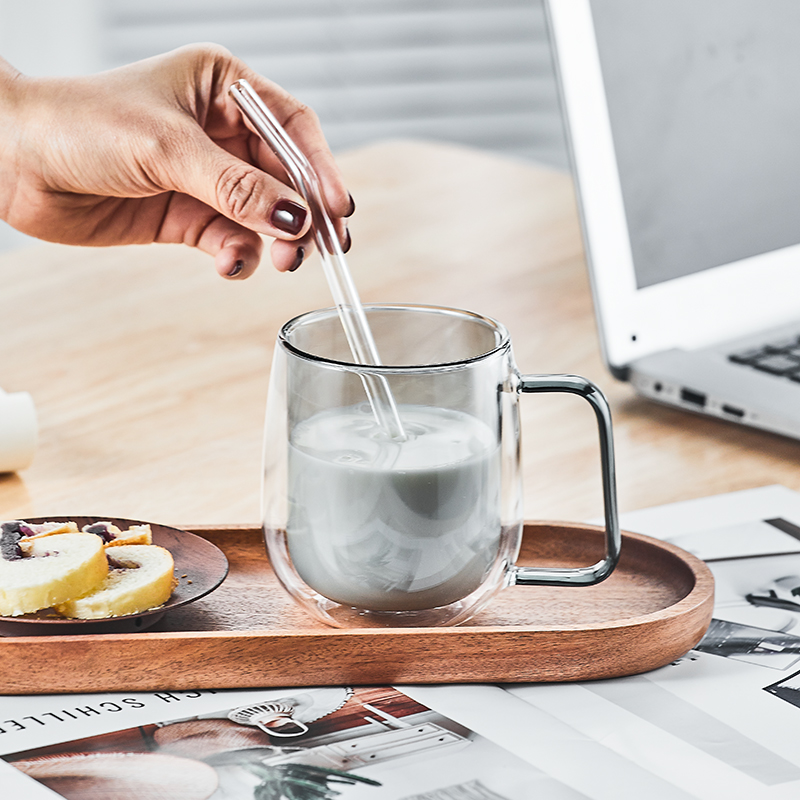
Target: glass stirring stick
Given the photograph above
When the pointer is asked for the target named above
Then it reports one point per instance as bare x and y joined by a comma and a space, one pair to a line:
334, 264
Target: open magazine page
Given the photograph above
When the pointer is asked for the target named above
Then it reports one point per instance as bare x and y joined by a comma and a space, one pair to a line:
722, 720
367, 742
576, 759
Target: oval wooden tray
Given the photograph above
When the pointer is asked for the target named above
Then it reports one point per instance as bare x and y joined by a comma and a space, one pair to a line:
248, 633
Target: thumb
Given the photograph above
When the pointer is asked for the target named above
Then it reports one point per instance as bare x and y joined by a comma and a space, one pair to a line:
240, 191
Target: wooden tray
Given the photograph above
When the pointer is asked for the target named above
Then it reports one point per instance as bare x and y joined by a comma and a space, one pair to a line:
248, 633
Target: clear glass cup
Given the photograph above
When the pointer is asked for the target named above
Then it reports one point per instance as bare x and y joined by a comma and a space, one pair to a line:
363, 529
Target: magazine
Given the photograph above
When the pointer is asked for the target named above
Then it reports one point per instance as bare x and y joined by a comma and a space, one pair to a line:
364, 742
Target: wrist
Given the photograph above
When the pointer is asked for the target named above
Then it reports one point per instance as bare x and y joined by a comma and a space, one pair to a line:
10, 91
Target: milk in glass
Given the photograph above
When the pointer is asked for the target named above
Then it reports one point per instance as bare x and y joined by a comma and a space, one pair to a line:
394, 526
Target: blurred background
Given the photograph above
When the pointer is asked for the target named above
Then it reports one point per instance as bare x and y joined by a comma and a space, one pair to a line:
476, 72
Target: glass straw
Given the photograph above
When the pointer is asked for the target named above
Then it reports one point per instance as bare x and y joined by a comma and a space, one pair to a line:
334, 264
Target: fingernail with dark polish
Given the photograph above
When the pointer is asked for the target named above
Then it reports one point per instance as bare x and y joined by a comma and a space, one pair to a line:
301, 254
288, 217
236, 269
352, 206
348, 242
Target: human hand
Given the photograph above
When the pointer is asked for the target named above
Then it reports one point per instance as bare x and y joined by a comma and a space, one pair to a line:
157, 152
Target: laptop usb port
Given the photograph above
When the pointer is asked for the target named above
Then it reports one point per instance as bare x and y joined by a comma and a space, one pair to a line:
732, 410
695, 398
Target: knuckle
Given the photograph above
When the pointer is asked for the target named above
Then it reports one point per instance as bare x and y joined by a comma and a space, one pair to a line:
213, 50
301, 114
156, 150
204, 52
238, 191
157, 146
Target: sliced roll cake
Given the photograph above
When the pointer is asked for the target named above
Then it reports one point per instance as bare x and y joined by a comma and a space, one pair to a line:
140, 577
37, 573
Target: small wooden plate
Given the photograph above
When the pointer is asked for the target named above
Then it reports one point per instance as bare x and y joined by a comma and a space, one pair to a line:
199, 568
248, 633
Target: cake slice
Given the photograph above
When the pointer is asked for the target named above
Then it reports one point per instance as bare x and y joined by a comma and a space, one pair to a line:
112, 536
140, 577
36, 530
37, 573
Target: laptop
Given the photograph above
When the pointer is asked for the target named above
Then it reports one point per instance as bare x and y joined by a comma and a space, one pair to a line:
683, 122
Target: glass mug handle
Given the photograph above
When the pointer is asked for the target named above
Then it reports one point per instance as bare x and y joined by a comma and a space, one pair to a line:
580, 576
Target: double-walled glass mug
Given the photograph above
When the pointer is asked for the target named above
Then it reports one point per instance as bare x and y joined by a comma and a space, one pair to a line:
368, 525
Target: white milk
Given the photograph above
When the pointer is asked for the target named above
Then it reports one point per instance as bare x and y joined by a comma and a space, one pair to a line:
394, 526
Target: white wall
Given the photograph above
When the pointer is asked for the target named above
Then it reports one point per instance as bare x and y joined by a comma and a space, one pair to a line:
51, 37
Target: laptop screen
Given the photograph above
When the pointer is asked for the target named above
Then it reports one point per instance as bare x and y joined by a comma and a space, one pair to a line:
705, 126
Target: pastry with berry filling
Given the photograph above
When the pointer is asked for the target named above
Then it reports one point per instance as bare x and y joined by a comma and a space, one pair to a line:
113, 536
37, 530
40, 572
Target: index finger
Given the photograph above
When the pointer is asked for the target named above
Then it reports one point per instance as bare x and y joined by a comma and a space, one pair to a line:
302, 125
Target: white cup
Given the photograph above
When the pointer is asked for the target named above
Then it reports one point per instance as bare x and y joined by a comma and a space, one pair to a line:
18, 431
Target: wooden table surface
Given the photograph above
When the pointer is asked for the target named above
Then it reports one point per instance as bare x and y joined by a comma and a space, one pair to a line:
150, 373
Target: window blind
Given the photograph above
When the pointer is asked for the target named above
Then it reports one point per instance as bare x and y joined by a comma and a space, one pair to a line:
477, 72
